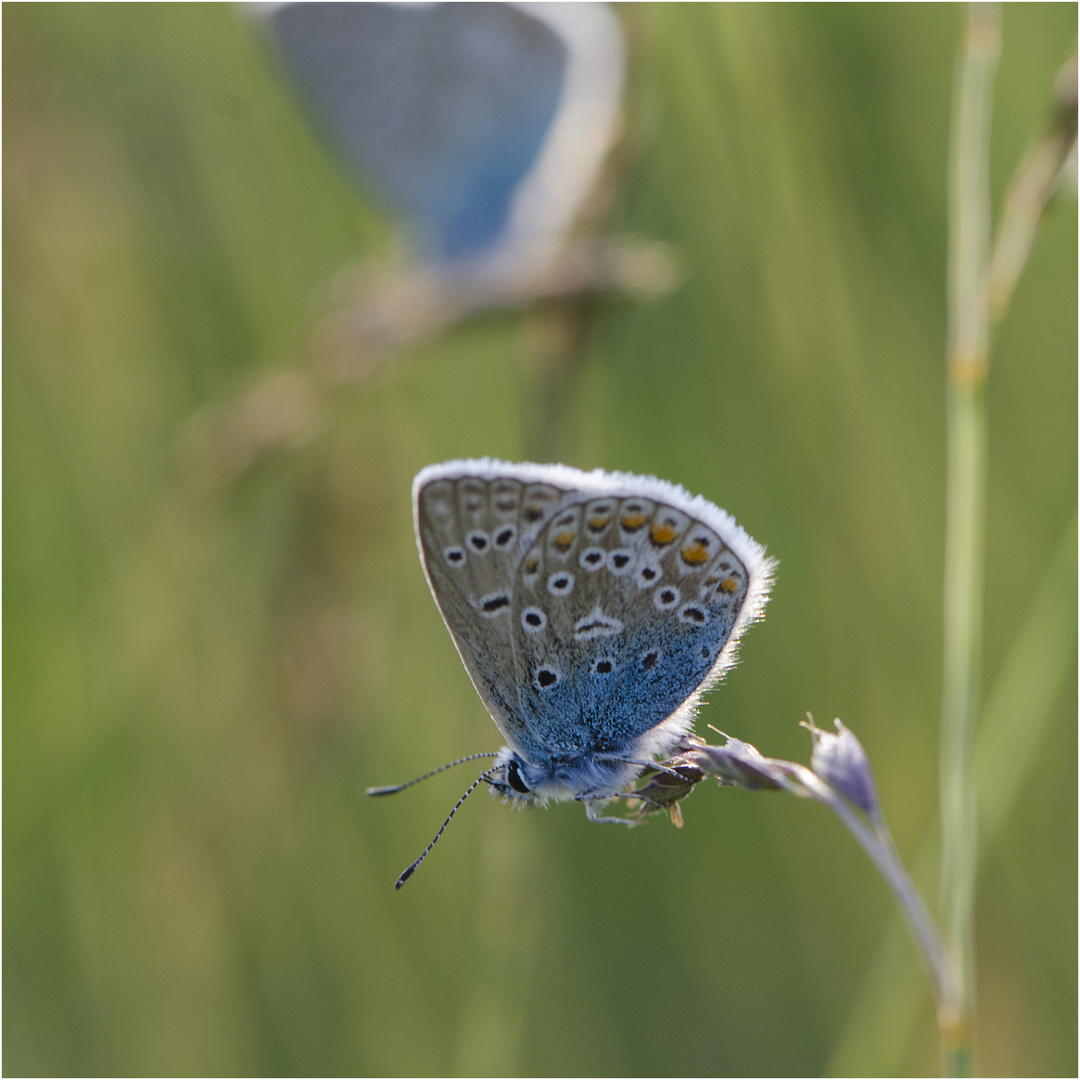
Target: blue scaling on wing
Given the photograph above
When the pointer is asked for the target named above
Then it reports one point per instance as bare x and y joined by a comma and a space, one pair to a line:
441, 109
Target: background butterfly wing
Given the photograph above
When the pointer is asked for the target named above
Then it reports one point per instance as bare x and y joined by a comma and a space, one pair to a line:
443, 108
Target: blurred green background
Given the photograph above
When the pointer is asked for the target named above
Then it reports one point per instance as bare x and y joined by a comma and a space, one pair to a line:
200, 682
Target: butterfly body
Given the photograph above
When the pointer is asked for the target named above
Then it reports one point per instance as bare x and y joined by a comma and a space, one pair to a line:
591, 610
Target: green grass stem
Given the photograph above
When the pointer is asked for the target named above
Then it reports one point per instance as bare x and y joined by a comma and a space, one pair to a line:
1024, 692
965, 517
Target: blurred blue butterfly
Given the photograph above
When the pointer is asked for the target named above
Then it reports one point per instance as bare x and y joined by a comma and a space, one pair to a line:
483, 124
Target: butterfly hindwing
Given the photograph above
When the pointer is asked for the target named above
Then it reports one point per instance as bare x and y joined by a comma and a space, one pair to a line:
622, 611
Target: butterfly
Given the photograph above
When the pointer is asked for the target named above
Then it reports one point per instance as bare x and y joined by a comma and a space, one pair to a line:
484, 125
591, 611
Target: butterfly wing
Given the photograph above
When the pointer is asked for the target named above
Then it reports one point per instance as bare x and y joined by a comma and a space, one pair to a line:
470, 530
625, 609
443, 108
590, 609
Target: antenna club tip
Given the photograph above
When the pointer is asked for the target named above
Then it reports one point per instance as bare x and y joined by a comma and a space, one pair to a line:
449, 817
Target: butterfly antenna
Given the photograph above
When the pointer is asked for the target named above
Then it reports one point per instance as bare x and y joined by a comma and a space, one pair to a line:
393, 789
472, 787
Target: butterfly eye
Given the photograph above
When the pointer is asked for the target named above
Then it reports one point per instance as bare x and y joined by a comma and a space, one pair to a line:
513, 778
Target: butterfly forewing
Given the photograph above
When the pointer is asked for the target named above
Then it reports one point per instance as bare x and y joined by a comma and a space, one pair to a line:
471, 531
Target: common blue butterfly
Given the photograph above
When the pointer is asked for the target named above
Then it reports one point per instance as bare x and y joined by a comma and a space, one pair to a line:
483, 124
590, 609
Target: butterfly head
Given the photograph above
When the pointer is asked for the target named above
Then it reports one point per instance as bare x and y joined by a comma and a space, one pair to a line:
515, 781
520, 783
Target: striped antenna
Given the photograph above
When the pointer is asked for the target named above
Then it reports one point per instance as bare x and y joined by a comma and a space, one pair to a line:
472, 787
393, 789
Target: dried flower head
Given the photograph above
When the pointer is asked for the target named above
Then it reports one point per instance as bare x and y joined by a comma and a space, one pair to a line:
736, 764
841, 762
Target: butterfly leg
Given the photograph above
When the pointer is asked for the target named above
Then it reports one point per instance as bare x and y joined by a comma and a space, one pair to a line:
591, 810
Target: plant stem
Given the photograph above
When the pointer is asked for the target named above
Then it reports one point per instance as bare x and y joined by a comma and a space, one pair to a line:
1043, 648
1033, 184
874, 838
967, 362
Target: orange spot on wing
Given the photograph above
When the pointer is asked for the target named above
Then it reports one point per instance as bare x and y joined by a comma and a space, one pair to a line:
729, 584
598, 524
694, 555
562, 541
633, 522
662, 534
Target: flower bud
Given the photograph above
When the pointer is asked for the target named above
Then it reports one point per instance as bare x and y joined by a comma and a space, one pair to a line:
736, 764
842, 763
